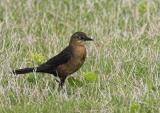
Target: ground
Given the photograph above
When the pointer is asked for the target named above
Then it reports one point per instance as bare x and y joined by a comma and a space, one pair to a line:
125, 55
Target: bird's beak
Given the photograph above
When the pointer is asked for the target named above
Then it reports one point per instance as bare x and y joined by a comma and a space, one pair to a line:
88, 39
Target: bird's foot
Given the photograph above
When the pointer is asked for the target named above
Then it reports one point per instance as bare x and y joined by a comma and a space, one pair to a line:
57, 80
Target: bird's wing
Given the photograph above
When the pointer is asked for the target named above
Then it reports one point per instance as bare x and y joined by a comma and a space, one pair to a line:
59, 59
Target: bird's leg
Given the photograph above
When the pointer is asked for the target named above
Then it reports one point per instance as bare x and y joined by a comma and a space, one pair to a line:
61, 83
57, 80
62, 90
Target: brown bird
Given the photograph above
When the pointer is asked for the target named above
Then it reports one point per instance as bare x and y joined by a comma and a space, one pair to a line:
66, 62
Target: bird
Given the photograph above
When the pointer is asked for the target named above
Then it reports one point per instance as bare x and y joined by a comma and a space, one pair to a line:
68, 61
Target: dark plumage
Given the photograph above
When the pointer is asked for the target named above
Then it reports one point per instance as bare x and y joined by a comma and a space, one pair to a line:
66, 62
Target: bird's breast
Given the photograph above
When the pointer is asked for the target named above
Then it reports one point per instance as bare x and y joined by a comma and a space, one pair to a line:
76, 61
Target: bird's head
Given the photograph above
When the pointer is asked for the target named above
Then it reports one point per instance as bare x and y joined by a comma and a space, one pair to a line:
80, 37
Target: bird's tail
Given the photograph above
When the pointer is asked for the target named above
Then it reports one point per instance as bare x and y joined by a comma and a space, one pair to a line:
23, 71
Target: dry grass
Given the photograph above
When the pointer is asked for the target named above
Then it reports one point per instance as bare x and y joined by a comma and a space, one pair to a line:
125, 55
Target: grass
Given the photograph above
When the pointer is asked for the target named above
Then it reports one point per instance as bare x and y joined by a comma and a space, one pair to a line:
125, 55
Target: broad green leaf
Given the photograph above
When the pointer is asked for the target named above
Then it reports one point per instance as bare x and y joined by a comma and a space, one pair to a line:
31, 78
90, 76
74, 82
134, 107
37, 58
142, 8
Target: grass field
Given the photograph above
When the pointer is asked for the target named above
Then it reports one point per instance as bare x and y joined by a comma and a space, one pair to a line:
125, 55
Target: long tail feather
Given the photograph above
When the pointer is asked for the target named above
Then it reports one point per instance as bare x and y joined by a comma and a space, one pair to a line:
23, 71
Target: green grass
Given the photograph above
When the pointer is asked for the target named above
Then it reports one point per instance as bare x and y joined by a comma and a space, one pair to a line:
125, 55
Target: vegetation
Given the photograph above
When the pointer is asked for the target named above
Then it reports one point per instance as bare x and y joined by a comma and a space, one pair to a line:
124, 59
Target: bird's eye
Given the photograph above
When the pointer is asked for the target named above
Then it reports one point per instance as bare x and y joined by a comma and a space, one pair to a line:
80, 37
